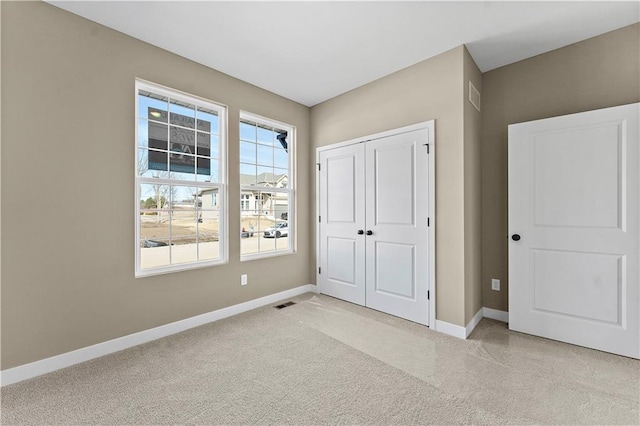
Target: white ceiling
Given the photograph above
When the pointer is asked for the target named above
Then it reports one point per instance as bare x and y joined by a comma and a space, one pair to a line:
312, 51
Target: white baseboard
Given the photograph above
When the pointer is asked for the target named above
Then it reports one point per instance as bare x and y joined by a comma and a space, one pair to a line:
464, 332
474, 322
47, 365
495, 314
451, 329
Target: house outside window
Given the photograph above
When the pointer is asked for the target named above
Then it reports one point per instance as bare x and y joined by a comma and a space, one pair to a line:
266, 184
180, 181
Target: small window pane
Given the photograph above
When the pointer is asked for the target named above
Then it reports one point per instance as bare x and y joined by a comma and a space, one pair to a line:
208, 235
280, 205
282, 243
214, 170
154, 196
182, 163
209, 199
281, 179
182, 114
265, 155
247, 152
183, 141
247, 174
184, 197
265, 176
154, 239
143, 133
247, 132
249, 241
203, 169
157, 135
265, 136
151, 108
183, 236
204, 144
281, 158
215, 147
207, 120
143, 162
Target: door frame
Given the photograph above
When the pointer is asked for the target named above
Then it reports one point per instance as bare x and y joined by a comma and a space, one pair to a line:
429, 126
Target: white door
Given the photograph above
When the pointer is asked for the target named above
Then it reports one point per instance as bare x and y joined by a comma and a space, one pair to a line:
573, 202
397, 205
342, 223
387, 235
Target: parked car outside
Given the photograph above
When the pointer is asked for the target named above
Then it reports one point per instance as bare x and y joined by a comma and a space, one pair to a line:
280, 230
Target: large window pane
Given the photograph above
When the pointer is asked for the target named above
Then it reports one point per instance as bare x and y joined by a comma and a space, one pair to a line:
266, 198
179, 142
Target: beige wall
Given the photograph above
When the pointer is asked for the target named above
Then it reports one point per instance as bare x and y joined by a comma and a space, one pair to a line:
68, 187
472, 192
600, 72
429, 90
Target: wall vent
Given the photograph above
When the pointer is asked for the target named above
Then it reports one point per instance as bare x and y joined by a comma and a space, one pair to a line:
474, 96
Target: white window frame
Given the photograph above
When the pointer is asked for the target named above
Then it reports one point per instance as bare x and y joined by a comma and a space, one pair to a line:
291, 187
221, 185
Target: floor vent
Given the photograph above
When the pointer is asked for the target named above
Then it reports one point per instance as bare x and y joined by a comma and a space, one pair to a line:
284, 305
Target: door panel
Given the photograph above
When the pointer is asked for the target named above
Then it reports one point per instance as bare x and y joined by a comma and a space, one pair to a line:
394, 185
397, 251
395, 269
574, 199
342, 214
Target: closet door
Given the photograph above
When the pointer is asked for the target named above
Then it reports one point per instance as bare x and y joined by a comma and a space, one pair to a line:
342, 223
397, 271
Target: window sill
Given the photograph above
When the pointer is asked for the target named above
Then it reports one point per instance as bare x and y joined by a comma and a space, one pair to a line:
178, 268
256, 256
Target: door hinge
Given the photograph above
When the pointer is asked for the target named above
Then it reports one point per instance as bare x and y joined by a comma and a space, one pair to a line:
428, 295
318, 166
319, 271
319, 218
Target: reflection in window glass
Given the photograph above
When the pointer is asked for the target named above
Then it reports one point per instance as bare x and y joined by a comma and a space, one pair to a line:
266, 199
181, 193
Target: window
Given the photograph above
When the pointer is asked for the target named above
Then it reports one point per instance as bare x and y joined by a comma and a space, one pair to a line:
180, 181
267, 189
244, 201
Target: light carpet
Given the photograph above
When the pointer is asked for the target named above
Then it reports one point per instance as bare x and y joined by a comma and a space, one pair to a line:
324, 361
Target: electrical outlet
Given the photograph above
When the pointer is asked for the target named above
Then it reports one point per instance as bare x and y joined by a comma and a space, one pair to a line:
495, 284
243, 279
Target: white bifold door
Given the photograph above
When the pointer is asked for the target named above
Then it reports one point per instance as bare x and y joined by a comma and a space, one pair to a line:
373, 207
574, 229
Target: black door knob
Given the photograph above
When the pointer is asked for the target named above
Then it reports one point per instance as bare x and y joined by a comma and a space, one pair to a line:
360, 232
369, 232
515, 237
